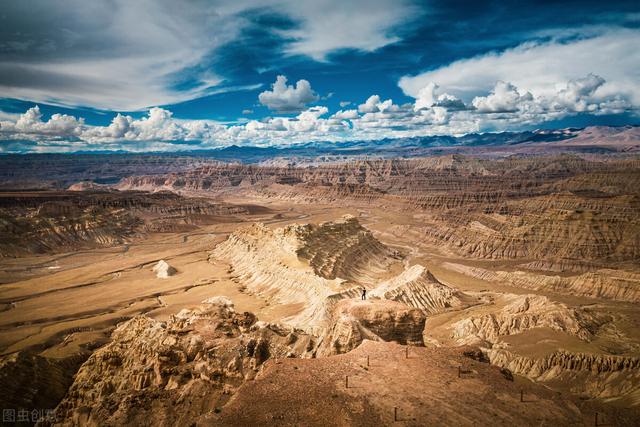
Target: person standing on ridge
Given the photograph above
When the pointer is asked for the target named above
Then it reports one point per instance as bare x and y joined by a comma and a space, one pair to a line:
364, 294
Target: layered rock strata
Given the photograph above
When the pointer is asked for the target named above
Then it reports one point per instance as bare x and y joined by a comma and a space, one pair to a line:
46, 222
311, 266
606, 377
417, 287
591, 375
556, 207
604, 283
522, 313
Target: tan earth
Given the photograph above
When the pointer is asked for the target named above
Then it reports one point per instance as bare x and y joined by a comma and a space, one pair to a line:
529, 265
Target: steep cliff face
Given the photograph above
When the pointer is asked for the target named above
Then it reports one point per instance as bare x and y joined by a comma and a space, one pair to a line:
265, 261
555, 225
194, 361
50, 225
604, 283
379, 320
347, 250
33, 381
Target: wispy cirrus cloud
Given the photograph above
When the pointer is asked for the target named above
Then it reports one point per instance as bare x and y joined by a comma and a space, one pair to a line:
329, 26
93, 53
125, 56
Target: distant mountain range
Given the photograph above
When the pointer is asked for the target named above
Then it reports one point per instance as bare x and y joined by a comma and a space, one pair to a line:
598, 139
61, 170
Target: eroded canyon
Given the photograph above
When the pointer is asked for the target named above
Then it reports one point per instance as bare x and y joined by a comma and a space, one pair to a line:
499, 291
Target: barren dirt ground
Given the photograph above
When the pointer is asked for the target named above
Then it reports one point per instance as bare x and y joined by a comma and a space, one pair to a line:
363, 388
60, 304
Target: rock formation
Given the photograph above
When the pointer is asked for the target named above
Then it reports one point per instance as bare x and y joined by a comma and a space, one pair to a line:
590, 375
193, 362
314, 266
555, 207
379, 320
48, 222
605, 283
524, 312
163, 270
87, 186
345, 249
417, 287
31, 381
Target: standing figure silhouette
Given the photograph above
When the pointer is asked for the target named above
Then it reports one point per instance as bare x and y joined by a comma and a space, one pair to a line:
364, 294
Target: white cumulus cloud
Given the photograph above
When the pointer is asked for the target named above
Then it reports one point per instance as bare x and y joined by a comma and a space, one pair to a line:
31, 124
431, 95
284, 98
542, 67
346, 115
370, 105
504, 98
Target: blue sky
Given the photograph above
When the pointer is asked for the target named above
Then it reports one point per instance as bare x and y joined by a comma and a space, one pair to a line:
162, 75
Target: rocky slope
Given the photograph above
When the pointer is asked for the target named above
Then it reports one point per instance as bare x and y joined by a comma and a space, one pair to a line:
595, 375
423, 389
173, 372
45, 222
169, 373
606, 283
347, 250
33, 381
524, 312
417, 287
605, 377
311, 266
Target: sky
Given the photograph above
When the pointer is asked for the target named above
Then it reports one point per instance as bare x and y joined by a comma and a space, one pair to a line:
161, 75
